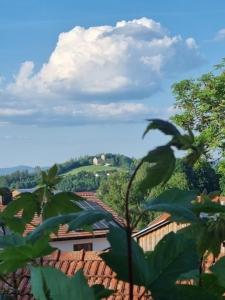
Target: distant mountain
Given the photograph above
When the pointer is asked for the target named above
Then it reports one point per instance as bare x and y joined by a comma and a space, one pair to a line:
7, 171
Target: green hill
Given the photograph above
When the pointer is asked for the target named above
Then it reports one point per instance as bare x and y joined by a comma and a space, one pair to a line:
93, 169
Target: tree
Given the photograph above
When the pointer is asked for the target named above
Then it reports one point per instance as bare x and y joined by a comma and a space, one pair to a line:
112, 191
201, 107
202, 177
221, 171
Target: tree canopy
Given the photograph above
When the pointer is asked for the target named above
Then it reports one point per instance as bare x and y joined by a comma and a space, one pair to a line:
201, 107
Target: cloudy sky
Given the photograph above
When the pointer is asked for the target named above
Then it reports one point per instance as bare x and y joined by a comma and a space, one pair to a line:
81, 77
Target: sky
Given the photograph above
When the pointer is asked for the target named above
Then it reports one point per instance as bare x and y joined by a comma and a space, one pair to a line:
82, 77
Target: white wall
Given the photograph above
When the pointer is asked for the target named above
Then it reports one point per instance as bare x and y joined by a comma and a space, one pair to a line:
98, 244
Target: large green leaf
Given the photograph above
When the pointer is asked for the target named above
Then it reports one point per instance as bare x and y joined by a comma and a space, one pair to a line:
49, 178
182, 142
219, 270
174, 255
116, 257
26, 203
164, 126
185, 292
49, 283
38, 287
12, 258
176, 202
101, 292
52, 172
16, 224
75, 221
11, 240
61, 203
211, 283
161, 166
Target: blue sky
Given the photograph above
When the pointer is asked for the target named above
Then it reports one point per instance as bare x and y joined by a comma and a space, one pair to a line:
67, 91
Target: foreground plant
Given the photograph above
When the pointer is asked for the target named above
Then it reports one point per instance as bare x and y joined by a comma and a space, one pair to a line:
177, 259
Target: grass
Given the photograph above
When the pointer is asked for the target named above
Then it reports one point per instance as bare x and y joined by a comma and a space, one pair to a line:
92, 169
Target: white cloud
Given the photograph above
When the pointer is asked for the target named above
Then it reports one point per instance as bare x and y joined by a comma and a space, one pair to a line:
98, 73
220, 35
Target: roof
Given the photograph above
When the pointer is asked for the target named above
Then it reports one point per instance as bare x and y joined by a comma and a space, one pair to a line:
95, 270
100, 229
162, 220
92, 199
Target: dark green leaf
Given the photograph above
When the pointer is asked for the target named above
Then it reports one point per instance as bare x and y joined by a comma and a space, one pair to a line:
174, 255
15, 224
75, 221
52, 172
101, 292
12, 258
164, 126
56, 285
219, 270
190, 275
176, 202
211, 284
182, 142
185, 292
26, 203
11, 240
37, 284
89, 217
161, 166
61, 203
116, 258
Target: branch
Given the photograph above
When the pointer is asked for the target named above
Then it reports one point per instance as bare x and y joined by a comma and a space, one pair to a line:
129, 231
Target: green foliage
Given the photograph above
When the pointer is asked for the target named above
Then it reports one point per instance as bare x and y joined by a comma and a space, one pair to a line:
161, 166
116, 258
74, 221
44, 287
202, 104
173, 255
49, 283
42, 201
202, 177
164, 126
112, 191
82, 181
218, 270
176, 202
18, 255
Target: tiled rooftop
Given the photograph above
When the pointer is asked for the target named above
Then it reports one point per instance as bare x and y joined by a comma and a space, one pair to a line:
94, 268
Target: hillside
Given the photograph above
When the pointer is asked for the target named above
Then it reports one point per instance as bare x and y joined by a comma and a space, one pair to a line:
93, 169
78, 174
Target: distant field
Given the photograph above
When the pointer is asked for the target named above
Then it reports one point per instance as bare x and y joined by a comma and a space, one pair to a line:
93, 169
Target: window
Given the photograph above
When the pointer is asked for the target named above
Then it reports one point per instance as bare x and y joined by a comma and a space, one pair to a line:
84, 246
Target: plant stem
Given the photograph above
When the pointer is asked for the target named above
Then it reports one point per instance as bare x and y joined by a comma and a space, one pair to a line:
129, 232
200, 270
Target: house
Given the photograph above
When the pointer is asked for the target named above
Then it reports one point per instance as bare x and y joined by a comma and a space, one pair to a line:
149, 237
82, 239
95, 161
95, 270
99, 160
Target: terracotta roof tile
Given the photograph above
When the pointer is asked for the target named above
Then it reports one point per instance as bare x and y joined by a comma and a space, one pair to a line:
94, 269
